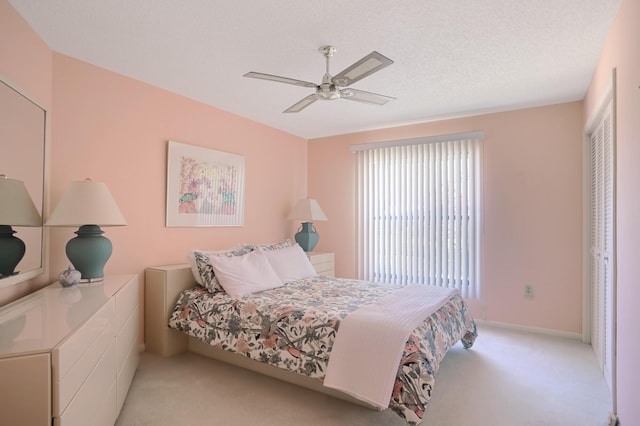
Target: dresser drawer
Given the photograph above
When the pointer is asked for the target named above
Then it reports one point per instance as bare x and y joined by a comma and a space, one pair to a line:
127, 338
325, 269
82, 349
96, 397
125, 376
105, 416
126, 302
323, 263
66, 387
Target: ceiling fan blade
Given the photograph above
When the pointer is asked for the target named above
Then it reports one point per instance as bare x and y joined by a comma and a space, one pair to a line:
302, 104
366, 66
280, 79
365, 97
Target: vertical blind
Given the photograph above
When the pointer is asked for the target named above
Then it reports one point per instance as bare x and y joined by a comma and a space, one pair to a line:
419, 211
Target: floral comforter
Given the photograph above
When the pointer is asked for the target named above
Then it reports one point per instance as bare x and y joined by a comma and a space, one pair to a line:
293, 327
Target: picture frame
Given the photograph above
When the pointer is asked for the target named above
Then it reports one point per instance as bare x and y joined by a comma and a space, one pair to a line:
205, 187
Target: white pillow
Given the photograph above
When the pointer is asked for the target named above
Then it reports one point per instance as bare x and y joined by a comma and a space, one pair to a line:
201, 267
290, 263
241, 275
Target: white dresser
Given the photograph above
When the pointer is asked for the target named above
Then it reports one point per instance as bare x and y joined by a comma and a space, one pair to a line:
68, 355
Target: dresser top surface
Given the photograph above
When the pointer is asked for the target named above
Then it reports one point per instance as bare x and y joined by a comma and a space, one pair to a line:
38, 322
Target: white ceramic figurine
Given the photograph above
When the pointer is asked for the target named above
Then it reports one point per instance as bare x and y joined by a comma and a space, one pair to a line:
69, 277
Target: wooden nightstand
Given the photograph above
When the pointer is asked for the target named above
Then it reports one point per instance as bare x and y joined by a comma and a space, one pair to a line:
323, 262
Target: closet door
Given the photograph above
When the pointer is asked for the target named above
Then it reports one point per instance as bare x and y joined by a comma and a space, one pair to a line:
601, 236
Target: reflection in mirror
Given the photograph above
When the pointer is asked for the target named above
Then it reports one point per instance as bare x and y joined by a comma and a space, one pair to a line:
22, 142
16, 209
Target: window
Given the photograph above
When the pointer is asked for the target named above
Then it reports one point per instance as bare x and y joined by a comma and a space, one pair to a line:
419, 211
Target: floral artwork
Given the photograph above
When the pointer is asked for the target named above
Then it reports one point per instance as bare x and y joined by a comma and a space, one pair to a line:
205, 187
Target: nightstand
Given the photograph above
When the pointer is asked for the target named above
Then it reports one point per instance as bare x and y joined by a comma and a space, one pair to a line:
323, 262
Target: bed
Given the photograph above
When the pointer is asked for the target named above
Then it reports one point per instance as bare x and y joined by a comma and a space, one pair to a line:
289, 331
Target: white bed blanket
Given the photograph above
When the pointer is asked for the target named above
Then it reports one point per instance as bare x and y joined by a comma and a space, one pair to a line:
368, 346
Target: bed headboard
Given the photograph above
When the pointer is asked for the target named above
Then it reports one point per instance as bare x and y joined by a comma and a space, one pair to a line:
162, 286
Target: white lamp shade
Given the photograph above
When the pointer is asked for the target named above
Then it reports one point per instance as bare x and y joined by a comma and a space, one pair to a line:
86, 203
307, 210
16, 206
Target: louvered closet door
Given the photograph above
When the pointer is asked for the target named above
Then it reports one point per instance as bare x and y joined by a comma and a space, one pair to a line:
602, 243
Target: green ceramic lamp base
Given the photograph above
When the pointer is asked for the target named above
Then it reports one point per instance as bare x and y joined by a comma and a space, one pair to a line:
11, 251
307, 237
89, 252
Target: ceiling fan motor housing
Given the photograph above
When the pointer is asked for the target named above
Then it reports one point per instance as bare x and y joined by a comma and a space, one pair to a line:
327, 91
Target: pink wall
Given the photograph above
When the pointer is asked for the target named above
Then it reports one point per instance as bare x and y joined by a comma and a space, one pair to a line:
27, 65
622, 52
26, 59
532, 209
115, 129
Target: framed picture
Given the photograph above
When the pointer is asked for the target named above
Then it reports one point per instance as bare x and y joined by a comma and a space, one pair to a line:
205, 187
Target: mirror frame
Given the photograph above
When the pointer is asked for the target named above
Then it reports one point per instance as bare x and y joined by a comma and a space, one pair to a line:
32, 273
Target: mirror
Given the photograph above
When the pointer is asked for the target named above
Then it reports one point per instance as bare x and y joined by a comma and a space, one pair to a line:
22, 138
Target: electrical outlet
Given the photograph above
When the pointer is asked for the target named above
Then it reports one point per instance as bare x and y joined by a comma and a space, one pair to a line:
528, 290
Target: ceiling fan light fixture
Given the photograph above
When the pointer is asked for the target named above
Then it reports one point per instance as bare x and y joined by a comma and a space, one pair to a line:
328, 92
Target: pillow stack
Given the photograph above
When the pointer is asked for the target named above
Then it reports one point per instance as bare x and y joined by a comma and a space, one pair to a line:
203, 270
250, 269
290, 263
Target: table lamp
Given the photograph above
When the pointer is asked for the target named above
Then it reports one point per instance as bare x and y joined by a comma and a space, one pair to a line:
88, 205
16, 209
308, 210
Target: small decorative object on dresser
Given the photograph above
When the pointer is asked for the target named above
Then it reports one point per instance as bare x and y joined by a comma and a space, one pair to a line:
69, 277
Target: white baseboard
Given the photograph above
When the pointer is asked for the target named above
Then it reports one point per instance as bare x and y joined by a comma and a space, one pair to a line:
517, 327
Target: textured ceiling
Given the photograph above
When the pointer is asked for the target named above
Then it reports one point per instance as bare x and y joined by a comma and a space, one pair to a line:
452, 58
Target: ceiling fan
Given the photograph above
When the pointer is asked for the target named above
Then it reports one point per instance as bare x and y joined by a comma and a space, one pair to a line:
331, 86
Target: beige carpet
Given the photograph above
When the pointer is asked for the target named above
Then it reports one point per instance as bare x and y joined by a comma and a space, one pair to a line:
508, 378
